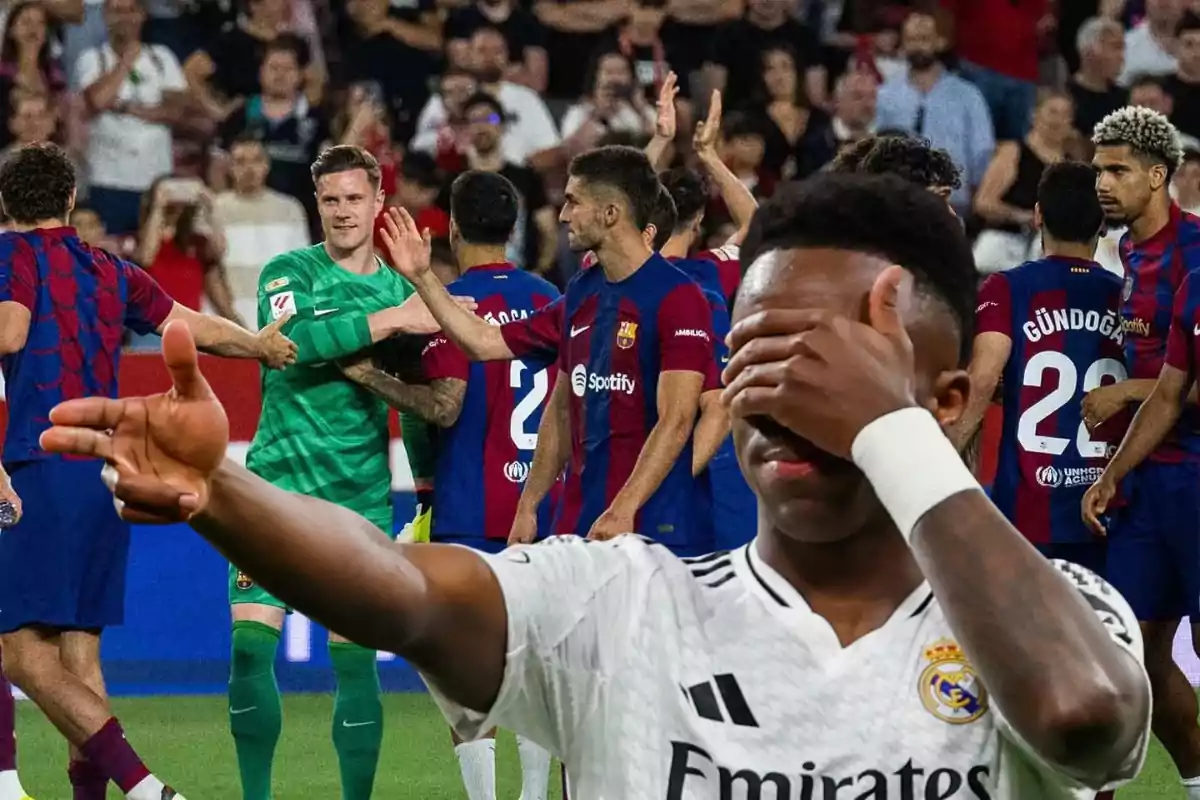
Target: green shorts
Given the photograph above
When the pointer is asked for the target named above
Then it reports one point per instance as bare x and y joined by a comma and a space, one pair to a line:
243, 589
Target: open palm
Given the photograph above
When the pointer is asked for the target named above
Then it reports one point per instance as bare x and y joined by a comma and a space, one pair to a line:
162, 449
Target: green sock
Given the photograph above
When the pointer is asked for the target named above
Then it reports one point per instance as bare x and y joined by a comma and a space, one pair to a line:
255, 711
357, 718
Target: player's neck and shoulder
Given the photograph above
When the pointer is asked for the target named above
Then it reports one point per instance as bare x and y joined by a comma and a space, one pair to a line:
1054, 269
501, 276
314, 265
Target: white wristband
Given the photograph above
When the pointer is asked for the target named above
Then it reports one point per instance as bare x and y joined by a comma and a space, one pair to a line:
911, 465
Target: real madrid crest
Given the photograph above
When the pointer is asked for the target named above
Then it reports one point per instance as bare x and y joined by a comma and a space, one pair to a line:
949, 687
627, 335
243, 581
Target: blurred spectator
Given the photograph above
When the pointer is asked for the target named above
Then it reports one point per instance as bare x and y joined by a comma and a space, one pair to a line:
523, 34
27, 62
535, 236
855, 96
1101, 46
442, 127
638, 40
687, 35
90, 227
1150, 45
1149, 91
737, 50
743, 145
179, 244
414, 23
31, 120
396, 55
530, 130
257, 222
419, 184
939, 106
613, 103
997, 46
134, 93
363, 121
292, 131
796, 136
1184, 85
1185, 186
225, 73
574, 30
1008, 193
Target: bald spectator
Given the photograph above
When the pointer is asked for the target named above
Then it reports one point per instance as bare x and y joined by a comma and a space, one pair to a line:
1150, 45
1093, 88
1184, 85
855, 97
935, 104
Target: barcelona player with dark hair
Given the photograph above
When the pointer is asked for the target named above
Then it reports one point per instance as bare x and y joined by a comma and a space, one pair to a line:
1154, 539
1050, 331
64, 309
633, 342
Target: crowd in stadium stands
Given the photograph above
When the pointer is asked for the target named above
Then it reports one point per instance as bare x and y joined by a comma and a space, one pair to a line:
193, 122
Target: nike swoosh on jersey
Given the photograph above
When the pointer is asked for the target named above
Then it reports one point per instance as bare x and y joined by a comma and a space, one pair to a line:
348, 724
236, 711
576, 331
320, 312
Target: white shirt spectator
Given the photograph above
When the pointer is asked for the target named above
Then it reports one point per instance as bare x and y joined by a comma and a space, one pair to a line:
627, 119
257, 227
1144, 55
124, 152
529, 125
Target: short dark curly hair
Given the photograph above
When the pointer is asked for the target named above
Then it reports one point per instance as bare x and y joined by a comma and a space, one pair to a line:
885, 216
664, 219
625, 170
914, 159
37, 182
850, 156
689, 190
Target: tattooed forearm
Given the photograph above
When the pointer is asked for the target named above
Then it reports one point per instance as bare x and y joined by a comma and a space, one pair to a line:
439, 403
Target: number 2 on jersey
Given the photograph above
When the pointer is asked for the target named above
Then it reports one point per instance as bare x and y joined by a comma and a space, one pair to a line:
1064, 392
522, 411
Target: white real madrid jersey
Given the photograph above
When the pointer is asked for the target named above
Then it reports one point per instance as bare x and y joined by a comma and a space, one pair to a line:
658, 678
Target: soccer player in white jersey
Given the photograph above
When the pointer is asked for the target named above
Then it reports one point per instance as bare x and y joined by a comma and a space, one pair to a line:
888, 634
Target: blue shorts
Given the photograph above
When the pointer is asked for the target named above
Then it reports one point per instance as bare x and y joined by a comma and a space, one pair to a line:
1154, 542
63, 565
474, 542
1091, 555
734, 506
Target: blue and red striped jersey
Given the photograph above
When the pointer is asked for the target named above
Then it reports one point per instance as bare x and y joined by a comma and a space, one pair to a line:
484, 457
1184, 339
1154, 271
1062, 317
706, 270
613, 341
80, 301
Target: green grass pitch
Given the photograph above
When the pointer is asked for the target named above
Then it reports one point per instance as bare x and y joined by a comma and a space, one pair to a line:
186, 742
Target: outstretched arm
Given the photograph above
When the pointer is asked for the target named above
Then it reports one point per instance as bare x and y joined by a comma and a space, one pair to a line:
438, 607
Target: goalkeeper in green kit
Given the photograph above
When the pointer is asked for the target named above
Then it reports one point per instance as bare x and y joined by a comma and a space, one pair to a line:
324, 436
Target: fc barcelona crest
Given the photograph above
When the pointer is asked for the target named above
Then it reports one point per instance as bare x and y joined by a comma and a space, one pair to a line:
627, 335
243, 581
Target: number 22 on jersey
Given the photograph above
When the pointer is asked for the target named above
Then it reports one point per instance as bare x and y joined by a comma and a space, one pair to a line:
1053, 365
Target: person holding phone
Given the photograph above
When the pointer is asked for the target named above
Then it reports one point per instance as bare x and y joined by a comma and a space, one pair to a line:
181, 246
611, 105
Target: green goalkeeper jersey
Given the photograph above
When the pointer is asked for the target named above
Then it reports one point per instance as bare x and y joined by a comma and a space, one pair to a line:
321, 434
